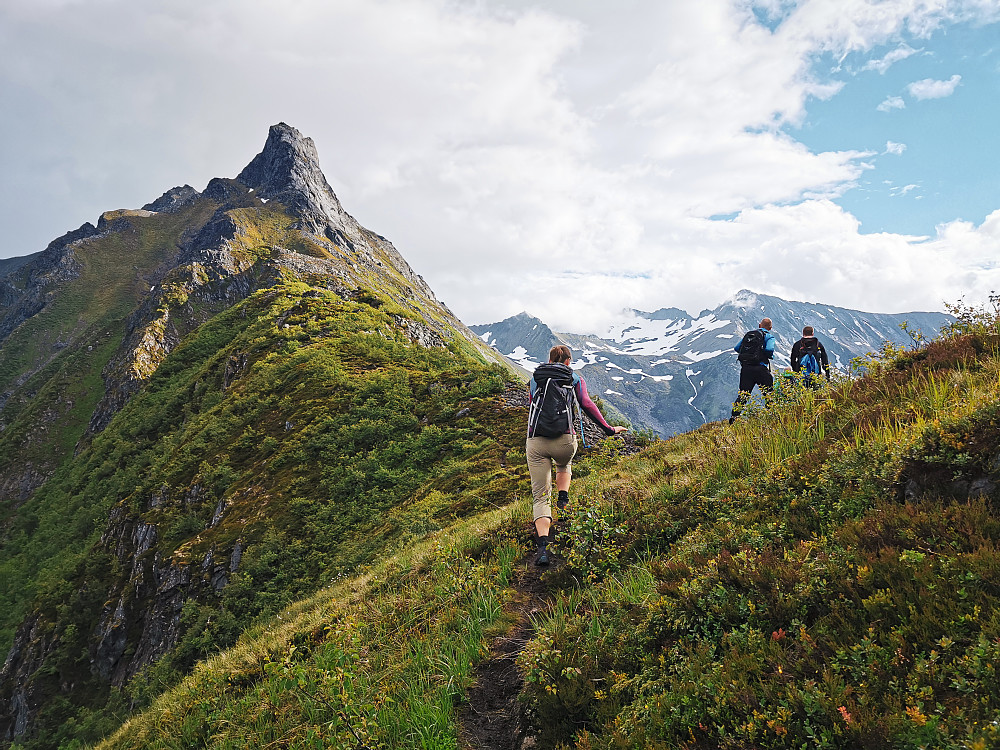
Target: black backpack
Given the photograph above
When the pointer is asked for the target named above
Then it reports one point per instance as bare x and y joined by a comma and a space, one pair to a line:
551, 412
752, 348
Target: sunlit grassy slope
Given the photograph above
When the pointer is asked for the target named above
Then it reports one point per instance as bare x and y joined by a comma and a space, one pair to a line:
824, 573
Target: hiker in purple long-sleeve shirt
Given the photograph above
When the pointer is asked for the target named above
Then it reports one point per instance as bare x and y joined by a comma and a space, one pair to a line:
544, 451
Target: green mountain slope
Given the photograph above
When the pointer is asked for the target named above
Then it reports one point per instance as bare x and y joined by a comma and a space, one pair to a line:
210, 407
79, 296
289, 440
821, 574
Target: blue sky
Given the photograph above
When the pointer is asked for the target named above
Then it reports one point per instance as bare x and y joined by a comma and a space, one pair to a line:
935, 159
570, 158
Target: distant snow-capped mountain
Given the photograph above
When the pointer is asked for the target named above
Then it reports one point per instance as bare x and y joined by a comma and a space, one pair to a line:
671, 372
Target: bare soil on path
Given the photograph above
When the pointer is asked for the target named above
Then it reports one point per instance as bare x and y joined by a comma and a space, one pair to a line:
493, 718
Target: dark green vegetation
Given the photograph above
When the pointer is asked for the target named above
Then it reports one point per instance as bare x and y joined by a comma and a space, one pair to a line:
822, 574
302, 429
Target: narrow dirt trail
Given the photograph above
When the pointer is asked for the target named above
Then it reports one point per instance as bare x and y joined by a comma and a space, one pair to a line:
493, 718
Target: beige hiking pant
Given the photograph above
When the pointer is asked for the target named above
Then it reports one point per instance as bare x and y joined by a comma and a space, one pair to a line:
542, 453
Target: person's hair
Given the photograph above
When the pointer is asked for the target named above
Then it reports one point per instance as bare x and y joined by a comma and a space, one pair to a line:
807, 331
560, 353
766, 323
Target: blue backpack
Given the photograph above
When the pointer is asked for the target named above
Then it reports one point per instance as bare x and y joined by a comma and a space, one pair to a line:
810, 358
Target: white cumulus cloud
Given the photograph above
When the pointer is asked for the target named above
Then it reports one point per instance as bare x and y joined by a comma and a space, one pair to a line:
563, 157
891, 103
929, 88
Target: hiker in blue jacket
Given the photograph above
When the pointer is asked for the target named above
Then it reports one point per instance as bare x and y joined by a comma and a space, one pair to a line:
755, 350
558, 446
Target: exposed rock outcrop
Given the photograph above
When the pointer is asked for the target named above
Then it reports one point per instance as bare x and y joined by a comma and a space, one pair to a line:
173, 200
25, 658
288, 170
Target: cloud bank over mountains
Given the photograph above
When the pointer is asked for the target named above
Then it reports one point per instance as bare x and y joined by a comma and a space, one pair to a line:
574, 159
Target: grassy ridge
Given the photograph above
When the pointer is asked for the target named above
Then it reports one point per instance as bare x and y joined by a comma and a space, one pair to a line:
821, 574
379, 660
818, 575
306, 429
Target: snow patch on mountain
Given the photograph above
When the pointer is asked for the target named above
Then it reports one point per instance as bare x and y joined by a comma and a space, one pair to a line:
693, 356
521, 357
650, 338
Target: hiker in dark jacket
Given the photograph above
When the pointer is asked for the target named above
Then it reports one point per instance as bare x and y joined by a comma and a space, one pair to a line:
543, 452
754, 365
806, 346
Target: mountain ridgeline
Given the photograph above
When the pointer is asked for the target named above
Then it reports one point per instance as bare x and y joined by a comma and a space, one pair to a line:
210, 406
670, 372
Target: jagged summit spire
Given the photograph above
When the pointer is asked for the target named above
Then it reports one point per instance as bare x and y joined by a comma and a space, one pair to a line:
287, 155
288, 170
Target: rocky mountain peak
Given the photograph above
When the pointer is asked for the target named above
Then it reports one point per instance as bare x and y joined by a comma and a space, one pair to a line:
173, 200
288, 170
744, 299
288, 159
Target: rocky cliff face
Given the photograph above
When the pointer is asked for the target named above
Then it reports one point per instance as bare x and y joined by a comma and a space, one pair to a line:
144, 621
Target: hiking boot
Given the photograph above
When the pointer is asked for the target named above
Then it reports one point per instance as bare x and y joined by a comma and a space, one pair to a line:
543, 558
